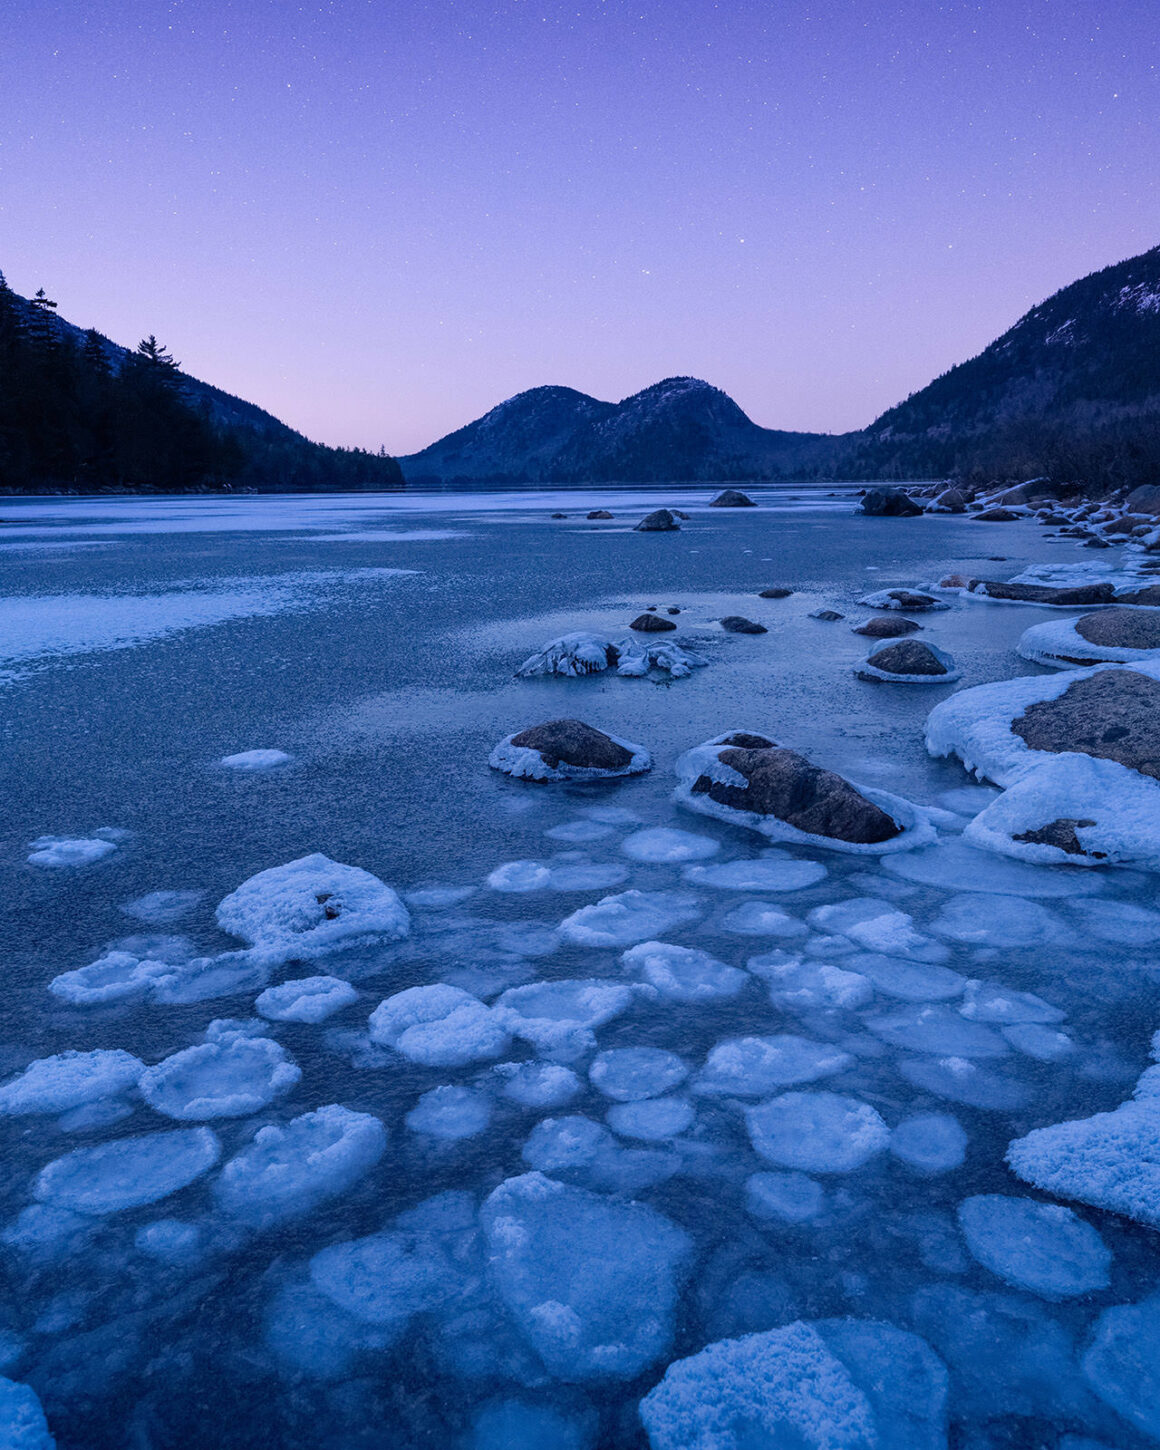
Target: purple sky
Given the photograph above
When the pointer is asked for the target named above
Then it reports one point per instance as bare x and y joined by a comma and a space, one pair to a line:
378, 218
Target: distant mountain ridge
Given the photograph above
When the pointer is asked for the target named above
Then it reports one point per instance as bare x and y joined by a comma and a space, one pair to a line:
1073, 389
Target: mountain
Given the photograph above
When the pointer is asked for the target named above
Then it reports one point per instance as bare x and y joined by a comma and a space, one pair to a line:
79, 412
680, 429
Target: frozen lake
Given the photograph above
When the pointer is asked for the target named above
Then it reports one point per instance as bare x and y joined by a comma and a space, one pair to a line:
838, 1165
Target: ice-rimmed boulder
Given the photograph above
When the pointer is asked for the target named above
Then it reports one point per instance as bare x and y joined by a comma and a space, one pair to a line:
227, 1078
659, 521
831, 1384
652, 623
584, 653
568, 750
310, 907
885, 626
909, 662
732, 498
439, 1026
592, 1284
128, 1172
69, 1080
889, 503
1056, 596
1109, 636
290, 1169
747, 780
910, 601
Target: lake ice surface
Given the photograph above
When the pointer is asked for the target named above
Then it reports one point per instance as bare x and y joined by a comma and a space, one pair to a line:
766, 1108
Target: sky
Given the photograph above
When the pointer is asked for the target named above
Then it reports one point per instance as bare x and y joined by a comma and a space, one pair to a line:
379, 218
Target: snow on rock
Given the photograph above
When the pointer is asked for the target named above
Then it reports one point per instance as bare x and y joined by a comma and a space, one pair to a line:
1112, 635
759, 918
306, 999
256, 760
631, 916
1121, 1364
558, 1018
954, 866
817, 1132
805, 986
439, 1026
683, 974
909, 662
837, 1384
877, 926
938, 1030
22, 1422
665, 846
588, 654
777, 874
784, 1197
1042, 1247
538, 1084
745, 779
908, 600
55, 851
654, 1120
629, 1074
929, 1142
228, 1078
288, 1170
751, 1067
592, 1284
450, 1113
128, 1172
310, 907
568, 750
69, 1080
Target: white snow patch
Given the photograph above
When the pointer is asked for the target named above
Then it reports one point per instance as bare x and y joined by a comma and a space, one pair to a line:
817, 1132
228, 1078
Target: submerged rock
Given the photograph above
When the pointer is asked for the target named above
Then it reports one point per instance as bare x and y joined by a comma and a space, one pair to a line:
884, 626
738, 624
909, 661
889, 503
652, 623
660, 520
732, 498
567, 750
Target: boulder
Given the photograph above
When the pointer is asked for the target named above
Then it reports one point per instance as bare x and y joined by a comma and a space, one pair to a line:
908, 660
651, 624
1078, 594
950, 501
1034, 488
672, 609
1149, 595
559, 516
779, 591
829, 615
732, 498
886, 626
907, 599
1110, 714
1144, 500
996, 516
660, 520
784, 784
1121, 628
738, 624
679, 514
889, 503
599, 514
567, 750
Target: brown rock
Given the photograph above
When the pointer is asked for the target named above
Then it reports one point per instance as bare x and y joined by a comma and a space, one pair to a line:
574, 743
996, 516
1121, 629
1148, 595
599, 514
1144, 500
907, 657
829, 615
1113, 715
651, 624
951, 501
738, 624
732, 498
659, 521
777, 592
1062, 835
1102, 593
889, 503
887, 626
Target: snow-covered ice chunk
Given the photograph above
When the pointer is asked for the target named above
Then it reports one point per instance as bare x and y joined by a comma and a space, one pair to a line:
56, 851
962, 1080
129, 1172
557, 1018
46, 1233
561, 1145
312, 906
538, 1084
583, 653
817, 1132
683, 974
1042, 1043
930, 1142
908, 981
629, 1074
229, 1078
22, 1422
439, 1026
1121, 1365
205, 978
759, 918
751, 1067
837, 1384
288, 1170
387, 1278
923, 661
758, 875
522, 876
91, 1116
1000, 921
805, 986
159, 908
1118, 922
69, 1080
936, 1029
306, 999
958, 867
653, 1120
904, 599
992, 1002
256, 760
668, 846
877, 926
592, 1284
450, 1113
784, 1197
1043, 1247
632, 916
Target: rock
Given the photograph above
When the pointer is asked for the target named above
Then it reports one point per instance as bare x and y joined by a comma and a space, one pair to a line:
907, 599
778, 592
567, 750
672, 609
908, 659
996, 516
1034, 490
660, 520
1148, 596
1061, 834
1079, 594
829, 615
1097, 543
889, 503
651, 624
1121, 629
950, 501
588, 654
1110, 714
732, 498
883, 626
784, 784
738, 624
561, 516
677, 513
1144, 500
